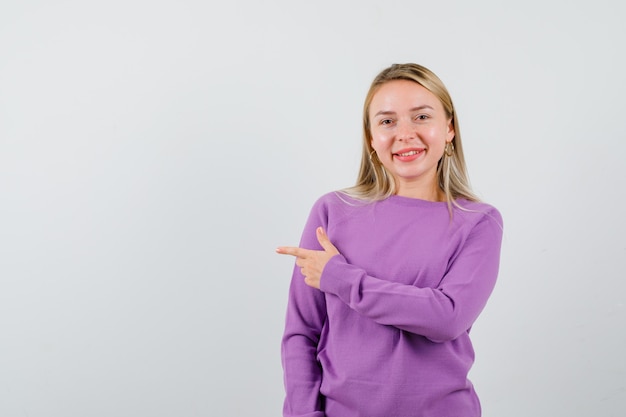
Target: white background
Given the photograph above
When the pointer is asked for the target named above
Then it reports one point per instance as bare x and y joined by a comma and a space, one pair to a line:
154, 153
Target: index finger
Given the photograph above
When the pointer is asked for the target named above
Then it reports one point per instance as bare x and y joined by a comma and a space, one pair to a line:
290, 250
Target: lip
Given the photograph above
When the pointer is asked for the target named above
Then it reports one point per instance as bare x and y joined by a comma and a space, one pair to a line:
408, 154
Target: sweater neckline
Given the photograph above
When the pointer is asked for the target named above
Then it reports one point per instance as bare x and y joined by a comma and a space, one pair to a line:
410, 201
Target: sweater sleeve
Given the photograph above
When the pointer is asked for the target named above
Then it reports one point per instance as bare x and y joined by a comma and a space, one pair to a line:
440, 314
306, 315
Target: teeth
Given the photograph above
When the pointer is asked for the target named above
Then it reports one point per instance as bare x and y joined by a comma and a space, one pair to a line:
408, 153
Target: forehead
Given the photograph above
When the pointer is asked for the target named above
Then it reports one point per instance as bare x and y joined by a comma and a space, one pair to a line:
398, 95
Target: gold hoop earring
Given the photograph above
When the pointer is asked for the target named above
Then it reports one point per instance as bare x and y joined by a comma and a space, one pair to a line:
449, 149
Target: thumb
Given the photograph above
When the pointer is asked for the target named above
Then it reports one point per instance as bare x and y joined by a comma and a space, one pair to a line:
322, 238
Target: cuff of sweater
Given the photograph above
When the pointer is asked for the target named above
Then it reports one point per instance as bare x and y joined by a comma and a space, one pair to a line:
338, 277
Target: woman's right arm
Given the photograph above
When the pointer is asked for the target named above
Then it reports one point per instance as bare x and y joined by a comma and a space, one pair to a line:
306, 315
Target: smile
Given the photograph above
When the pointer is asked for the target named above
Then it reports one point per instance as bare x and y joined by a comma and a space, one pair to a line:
409, 153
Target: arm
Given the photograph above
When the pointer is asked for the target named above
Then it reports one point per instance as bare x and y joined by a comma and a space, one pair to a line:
306, 314
440, 314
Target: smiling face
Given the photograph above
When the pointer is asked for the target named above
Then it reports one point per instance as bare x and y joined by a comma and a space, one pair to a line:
409, 129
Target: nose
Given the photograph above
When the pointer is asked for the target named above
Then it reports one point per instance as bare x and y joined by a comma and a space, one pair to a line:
405, 131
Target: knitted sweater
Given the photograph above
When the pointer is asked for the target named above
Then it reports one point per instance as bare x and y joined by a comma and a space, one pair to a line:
387, 334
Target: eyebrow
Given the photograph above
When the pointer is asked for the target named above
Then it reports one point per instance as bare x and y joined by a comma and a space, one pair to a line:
388, 112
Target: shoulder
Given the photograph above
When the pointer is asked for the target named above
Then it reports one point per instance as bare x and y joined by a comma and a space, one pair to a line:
478, 212
337, 206
336, 200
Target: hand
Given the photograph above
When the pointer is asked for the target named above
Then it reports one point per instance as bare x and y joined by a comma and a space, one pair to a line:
312, 262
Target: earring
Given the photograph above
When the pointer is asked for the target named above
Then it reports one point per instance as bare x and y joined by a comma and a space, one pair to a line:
449, 149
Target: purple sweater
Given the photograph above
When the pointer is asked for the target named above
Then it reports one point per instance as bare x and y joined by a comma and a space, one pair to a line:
388, 334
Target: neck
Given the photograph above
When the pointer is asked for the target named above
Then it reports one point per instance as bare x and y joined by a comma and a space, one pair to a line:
429, 190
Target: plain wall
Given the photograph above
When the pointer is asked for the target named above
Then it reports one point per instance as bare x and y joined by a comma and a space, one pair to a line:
154, 153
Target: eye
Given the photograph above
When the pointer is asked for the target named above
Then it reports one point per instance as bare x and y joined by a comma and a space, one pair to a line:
386, 121
422, 117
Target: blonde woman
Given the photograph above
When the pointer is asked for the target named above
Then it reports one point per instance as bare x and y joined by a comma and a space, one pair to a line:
391, 273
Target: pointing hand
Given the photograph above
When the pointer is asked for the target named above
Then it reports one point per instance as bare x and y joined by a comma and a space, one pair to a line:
312, 262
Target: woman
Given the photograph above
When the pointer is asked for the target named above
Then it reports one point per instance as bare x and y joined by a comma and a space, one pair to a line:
391, 273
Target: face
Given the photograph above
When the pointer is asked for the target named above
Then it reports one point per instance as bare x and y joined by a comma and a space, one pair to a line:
409, 129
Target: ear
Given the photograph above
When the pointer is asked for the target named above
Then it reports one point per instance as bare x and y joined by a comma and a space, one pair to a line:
451, 133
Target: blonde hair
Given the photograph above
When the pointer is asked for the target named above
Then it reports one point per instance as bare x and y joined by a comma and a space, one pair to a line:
374, 181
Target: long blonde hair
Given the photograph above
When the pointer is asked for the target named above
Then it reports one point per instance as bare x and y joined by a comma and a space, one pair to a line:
374, 181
